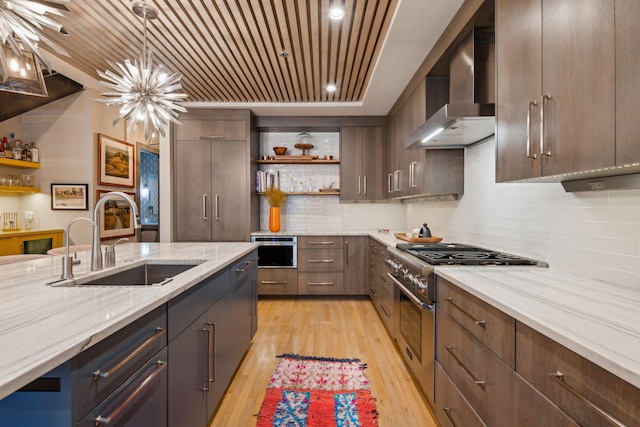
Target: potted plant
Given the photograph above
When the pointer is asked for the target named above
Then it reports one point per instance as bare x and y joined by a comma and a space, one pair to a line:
276, 198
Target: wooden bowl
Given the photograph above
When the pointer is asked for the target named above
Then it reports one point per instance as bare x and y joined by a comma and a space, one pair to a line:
280, 151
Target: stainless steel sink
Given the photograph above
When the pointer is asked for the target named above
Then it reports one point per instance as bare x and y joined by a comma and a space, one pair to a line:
142, 275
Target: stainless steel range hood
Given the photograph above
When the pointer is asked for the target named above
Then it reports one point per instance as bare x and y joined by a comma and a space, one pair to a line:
469, 116
58, 86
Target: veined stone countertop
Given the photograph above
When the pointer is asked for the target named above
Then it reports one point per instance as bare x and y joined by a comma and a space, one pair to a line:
597, 320
42, 326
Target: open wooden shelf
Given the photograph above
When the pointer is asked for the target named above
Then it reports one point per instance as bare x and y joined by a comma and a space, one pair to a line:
19, 163
312, 193
16, 189
298, 162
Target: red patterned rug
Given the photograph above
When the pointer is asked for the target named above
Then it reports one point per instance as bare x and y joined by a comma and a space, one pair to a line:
309, 391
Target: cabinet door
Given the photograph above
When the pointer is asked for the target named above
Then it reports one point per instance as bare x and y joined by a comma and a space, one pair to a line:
230, 197
519, 59
355, 256
277, 281
627, 84
361, 157
189, 375
578, 72
192, 191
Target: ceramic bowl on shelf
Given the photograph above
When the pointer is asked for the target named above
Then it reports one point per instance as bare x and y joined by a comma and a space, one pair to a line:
280, 151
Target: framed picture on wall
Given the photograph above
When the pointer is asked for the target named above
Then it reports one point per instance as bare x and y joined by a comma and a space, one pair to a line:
74, 197
115, 216
116, 162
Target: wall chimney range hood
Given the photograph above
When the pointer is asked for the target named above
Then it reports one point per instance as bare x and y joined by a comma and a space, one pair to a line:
469, 115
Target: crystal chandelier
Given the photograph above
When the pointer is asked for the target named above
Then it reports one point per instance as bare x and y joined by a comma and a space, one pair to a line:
21, 25
144, 94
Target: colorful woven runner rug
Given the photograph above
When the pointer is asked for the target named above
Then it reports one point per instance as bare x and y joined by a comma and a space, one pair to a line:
317, 392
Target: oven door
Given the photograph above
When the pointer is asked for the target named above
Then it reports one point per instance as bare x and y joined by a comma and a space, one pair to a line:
414, 334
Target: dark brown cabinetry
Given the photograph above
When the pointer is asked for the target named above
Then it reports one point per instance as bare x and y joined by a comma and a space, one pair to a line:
413, 173
320, 265
380, 286
556, 93
214, 192
589, 394
362, 157
277, 281
488, 364
354, 281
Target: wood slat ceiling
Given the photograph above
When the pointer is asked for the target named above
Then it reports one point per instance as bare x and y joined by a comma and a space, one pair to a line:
229, 50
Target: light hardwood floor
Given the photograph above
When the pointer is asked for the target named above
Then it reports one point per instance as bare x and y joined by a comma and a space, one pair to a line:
324, 327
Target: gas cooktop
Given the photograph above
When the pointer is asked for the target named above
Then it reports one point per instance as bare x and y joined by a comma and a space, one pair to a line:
461, 254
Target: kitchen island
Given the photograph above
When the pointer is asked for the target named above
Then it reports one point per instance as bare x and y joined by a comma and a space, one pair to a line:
43, 326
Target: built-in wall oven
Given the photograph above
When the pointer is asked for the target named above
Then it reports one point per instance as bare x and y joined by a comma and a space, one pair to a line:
277, 251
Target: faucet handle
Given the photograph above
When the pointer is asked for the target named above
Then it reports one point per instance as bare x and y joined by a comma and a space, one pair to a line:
110, 253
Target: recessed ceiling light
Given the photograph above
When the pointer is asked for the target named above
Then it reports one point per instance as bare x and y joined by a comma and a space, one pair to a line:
331, 88
337, 12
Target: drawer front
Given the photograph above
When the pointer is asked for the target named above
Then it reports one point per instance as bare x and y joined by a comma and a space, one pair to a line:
277, 281
225, 130
141, 400
319, 283
99, 370
482, 377
494, 328
243, 268
185, 308
582, 386
451, 408
320, 242
320, 260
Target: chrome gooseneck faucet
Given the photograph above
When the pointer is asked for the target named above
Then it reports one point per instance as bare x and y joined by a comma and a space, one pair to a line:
96, 250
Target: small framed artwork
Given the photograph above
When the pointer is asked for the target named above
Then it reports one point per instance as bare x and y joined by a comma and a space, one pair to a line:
115, 216
73, 197
116, 162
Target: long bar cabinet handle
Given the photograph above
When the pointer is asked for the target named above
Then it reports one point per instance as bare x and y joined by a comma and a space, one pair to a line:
481, 383
248, 265
217, 208
558, 377
320, 283
207, 356
346, 254
161, 366
529, 105
328, 242
159, 333
204, 207
316, 261
211, 137
359, 187
446, 410
396, 180
273, 282
542, 152
214, 348
365, 186
481, 323
389, 181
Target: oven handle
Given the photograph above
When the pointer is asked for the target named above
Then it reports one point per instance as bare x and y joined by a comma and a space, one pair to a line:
408, 293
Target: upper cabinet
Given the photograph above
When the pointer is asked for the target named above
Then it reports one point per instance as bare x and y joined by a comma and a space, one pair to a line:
362, 156
418, 172
559, 65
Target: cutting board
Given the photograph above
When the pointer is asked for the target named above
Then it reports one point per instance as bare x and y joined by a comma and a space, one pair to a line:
403, 236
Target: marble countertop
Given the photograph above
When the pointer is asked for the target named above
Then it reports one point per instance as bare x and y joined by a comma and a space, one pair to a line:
597, 320
42, 326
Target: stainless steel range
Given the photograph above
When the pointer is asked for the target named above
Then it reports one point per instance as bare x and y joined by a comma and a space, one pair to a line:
411, 267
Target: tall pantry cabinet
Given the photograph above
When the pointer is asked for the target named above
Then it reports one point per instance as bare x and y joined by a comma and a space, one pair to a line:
213, 160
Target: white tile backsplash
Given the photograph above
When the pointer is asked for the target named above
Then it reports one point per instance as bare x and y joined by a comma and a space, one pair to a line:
595, 235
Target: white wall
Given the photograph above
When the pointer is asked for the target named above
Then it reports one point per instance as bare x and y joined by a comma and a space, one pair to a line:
595, 235
65, 132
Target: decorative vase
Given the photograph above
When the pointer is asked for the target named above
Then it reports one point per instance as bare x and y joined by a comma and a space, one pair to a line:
274, 219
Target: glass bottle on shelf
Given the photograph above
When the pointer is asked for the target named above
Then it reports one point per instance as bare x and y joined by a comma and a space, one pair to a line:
17, 149
34, 153
26, 152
